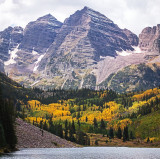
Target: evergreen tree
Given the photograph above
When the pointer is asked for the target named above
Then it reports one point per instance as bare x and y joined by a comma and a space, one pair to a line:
125, 134
73, 127
131, 135
119, 133
102, 126
23, 114
71, 136
78, 115
45, 127
82, 138
2, 137
111, 133
7, 119
66, 130
79, 124
95, 123
86, 119
51, 127
96, 142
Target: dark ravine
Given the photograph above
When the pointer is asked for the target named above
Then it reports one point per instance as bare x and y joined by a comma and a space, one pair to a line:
30, 136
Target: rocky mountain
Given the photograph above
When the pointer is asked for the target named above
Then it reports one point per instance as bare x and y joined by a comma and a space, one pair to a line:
84, 51
40, 34
37, 37
85, 38
149, 39
1, 66
9, 39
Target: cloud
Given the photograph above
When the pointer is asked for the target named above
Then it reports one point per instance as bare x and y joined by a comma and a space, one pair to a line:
130, 14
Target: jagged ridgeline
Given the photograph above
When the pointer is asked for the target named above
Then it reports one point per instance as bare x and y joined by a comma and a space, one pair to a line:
88, 50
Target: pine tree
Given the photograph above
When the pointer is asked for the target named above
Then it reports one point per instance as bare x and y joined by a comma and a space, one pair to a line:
45, 127
79, 124
78, 115
95, 123
131, 135
66, 130
7, 119
96, 142
23, 114
86, 119
81, 138
125, 134
2, 137
102, 126
73, 127
119, 133
111, 133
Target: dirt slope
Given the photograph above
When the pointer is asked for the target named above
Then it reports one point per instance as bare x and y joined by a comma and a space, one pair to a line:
30, 136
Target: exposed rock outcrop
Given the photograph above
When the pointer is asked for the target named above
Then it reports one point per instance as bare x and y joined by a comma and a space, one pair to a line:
1, 66
149, 39
9, 39
37, 37
40, 34
83, 39
134, 40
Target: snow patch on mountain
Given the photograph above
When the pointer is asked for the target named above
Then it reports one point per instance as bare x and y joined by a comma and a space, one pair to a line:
137, 49
34, 52
81, 84
123, 53
34, 83
37, 62
13, 55
128, 52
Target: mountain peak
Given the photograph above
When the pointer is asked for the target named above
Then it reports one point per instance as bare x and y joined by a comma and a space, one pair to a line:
87, 8
47, 17
95, 14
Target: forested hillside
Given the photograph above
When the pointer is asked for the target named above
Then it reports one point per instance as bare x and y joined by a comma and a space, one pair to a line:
11, 96
87, 117
83, 114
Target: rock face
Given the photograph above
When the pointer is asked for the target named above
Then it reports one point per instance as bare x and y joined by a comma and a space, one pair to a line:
149, 39
82, 52
9, 39
37, 37
90, 33
40, 34
133, 39
83, 39
1, 66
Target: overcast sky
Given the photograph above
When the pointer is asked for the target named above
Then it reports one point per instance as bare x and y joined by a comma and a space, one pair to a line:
131, 14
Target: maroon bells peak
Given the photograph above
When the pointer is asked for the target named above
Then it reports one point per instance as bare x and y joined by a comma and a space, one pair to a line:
87, 50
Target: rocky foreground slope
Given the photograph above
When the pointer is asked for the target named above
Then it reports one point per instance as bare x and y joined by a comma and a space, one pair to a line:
30, 136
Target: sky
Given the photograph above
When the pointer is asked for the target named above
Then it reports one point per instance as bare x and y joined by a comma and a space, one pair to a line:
134, 15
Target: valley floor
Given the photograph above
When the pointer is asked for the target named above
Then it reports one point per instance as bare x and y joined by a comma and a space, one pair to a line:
30, 136
105, 141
